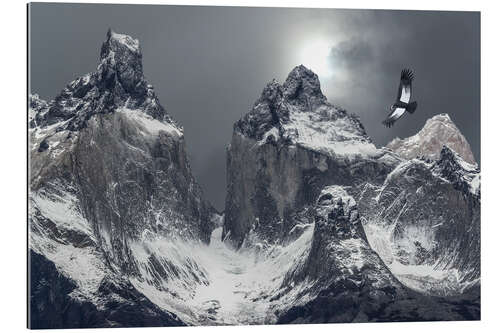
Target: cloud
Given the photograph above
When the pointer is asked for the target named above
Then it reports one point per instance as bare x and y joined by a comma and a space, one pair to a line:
441, 47
351, 54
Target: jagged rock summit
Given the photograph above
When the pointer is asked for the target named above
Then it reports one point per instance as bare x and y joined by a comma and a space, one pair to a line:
298, 113
117, 83
340, 268
438, 131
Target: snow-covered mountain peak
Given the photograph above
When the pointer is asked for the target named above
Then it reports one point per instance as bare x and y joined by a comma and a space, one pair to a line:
437, 131
35, 102
117, 84
442, 117
35, 105
297, 113
121, 54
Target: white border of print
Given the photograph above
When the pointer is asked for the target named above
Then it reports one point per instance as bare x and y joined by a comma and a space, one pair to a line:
14, 164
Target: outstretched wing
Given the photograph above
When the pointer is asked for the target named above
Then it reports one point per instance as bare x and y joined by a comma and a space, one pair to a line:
395, 115
404, 92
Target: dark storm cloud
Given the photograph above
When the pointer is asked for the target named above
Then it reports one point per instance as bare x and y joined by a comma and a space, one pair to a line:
209, 64
443, 50
352, 53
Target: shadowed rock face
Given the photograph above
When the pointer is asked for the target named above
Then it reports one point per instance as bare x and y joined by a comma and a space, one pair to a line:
53, 307
438, 131
339, 247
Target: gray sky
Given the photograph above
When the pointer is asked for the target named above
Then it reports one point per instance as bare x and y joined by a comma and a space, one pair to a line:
209, 64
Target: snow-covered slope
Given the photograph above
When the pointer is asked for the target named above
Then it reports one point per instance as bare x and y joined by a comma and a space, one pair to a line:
437, 131
424, 221
289, 283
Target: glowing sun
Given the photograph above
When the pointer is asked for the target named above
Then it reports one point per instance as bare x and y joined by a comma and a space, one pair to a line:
314, 54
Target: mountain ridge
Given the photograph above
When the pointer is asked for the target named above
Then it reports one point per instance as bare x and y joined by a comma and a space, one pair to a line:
119, 226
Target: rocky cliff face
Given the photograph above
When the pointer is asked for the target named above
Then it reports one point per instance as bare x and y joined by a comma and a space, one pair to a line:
285, 150
108, 171
437, 131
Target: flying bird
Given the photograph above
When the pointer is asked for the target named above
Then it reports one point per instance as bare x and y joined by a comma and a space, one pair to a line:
402, 103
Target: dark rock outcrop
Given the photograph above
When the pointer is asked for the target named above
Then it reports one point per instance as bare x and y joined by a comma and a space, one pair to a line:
120, 306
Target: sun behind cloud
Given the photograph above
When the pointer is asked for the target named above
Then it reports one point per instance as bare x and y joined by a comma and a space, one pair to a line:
314, 54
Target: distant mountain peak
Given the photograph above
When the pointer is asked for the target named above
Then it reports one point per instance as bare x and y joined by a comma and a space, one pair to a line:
440, 117
438, 131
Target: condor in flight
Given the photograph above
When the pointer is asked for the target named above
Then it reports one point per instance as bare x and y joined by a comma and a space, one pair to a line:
403, 100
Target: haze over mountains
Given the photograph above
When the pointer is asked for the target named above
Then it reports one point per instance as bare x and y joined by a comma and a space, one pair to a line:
320, 225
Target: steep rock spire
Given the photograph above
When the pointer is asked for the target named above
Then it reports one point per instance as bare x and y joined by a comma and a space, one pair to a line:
121, 56
118, 82
302, 87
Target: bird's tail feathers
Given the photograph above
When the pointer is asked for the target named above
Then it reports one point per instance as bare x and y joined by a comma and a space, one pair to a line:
411, 107
388, 123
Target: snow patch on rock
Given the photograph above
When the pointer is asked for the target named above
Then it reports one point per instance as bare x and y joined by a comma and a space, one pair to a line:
131, 43
149, 124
